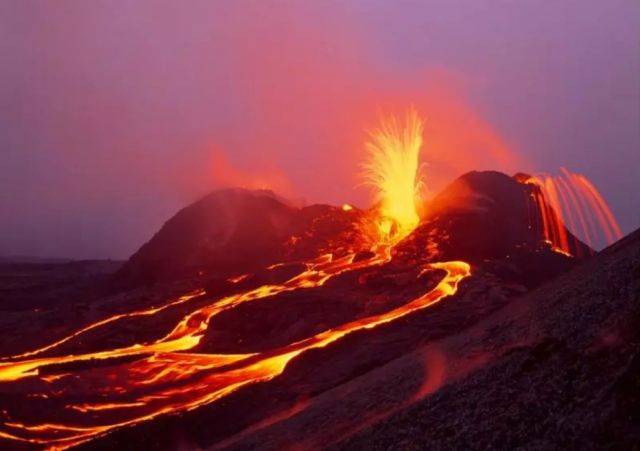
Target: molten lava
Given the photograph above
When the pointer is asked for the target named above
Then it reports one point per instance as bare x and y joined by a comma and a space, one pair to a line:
167, 376
571, 201
393, 170
164, 378
136, 382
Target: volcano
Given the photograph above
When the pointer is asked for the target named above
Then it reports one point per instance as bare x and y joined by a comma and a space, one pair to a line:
300, 326
246, 320
237, 230
229, 232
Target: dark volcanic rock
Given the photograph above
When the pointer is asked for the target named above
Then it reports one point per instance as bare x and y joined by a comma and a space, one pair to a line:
235, 231
569, 380
483, 218
499, 364
233, 236
480, 215
484, 215
555, 369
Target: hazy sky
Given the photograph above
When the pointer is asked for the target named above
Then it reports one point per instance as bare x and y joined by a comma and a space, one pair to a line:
115, 114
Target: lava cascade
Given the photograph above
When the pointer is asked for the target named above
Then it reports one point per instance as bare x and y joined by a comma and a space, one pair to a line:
570, 200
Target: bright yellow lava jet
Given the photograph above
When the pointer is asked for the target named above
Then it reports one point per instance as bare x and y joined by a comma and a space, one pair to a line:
393, 169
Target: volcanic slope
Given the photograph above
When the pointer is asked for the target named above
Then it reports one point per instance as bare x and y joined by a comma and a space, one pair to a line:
559, 368
504, 266
486, 223
236, 230
233, 231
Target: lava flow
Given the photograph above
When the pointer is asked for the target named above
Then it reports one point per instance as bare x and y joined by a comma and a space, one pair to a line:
571, 201
141, 381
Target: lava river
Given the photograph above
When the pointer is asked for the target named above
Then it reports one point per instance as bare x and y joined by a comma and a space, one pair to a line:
135, 383
163, 377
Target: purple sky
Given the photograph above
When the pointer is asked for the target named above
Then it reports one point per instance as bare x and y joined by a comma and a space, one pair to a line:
115, 114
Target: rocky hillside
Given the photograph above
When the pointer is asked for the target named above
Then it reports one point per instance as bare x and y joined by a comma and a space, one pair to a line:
485, 215
558, 368
235, 230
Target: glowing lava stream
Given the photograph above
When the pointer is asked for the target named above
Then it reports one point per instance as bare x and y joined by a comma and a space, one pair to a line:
169, 381
80, 404
393, 170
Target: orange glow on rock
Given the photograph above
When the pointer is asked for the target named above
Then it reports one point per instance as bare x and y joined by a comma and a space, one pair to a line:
168, 375
165, 379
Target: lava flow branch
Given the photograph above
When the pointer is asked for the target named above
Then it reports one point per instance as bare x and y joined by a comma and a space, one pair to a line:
140, 381
571, 201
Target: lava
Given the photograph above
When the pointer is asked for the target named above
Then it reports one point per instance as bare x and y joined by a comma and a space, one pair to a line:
393, 169
167, 381
80, 400
144, 380
571, 201
166, 376
104, 322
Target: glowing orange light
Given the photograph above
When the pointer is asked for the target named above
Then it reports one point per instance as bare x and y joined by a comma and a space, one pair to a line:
571, 201
166, 376
393, 171
152, 374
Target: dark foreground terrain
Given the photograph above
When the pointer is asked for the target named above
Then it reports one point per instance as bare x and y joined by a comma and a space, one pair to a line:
41, 297
570, 378
559, 368
556, 368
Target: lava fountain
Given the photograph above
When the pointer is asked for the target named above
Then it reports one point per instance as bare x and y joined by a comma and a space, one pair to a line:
85, 400
393, 170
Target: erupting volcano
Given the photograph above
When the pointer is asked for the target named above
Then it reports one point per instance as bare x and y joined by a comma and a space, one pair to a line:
276, 292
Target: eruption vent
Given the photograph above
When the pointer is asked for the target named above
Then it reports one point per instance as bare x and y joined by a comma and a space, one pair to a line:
393, 170
570, 200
